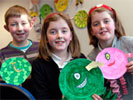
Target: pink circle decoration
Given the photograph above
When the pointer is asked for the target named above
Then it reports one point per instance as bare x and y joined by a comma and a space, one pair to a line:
114, 61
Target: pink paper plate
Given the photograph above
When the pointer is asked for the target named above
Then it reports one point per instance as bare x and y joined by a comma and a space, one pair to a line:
114, 61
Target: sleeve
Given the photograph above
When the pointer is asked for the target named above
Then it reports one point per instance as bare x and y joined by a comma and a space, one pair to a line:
39, 81
127, 44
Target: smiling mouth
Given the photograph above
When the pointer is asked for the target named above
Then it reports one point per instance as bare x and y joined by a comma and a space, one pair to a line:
103, 32
111, 63
17, 70
82, 84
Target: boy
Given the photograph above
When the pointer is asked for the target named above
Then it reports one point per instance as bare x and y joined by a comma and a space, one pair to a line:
19, 24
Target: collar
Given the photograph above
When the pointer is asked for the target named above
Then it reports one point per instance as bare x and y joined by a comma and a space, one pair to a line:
113, 44
57, 59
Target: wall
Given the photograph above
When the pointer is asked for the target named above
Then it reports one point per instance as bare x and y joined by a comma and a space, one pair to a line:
124, 8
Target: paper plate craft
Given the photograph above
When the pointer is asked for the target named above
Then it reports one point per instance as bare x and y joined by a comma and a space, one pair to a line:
61, 5
77, 83
80, 19
15, 70
45, 10
114, 67
114, 61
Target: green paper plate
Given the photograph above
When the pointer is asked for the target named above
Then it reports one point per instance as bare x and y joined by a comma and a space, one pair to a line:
45, 10
15, 70
80, 19
77, 83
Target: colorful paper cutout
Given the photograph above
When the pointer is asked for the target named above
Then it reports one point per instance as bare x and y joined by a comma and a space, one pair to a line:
15, 70
93, 64
45, 10
61, 5
77, 83
80, 19
114, 61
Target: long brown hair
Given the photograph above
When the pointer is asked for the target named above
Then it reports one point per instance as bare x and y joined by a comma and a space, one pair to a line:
44, 47
119, 31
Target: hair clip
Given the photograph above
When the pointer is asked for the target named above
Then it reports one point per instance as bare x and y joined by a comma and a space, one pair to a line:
99, 6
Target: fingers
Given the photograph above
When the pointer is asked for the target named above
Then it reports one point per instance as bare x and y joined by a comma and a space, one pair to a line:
130, 67
96, 97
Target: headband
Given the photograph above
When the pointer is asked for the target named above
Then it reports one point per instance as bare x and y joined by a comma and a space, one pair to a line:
99, 6
51, 14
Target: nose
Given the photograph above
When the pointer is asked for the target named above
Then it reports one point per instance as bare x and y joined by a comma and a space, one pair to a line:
20, 27
102, 25
59, 35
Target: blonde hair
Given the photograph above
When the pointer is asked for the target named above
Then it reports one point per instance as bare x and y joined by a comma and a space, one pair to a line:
44, 47
119, 31
16, 11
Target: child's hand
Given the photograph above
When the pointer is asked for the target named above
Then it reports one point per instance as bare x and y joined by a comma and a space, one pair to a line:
96, 97
130, 67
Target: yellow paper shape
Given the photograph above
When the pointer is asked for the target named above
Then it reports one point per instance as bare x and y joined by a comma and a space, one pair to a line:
61, 5
94, 64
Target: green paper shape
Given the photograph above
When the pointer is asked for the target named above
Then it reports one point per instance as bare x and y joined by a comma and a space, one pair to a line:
77, 83
80, 19
45, 10
15, 70
108, 95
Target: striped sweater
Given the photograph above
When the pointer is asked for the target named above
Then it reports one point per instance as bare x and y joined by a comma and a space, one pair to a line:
30, 54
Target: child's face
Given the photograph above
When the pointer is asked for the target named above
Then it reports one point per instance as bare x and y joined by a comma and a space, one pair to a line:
59, 35
19, 27
103, 26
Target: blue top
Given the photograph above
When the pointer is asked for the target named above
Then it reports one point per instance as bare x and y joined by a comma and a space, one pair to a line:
22, 48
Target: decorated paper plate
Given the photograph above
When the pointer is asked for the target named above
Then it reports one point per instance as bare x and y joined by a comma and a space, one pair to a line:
80, 19
77, 83
45, 10
61, 5
114, 63
15, 70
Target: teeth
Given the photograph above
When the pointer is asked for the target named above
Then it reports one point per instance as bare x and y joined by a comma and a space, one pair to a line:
82, 84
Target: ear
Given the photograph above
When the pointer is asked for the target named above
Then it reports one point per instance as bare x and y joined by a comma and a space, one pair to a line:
31, 23
6, 28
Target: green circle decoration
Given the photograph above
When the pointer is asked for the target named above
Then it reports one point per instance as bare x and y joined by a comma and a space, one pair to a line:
15, 70
80, 19
45, 10
77, 83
